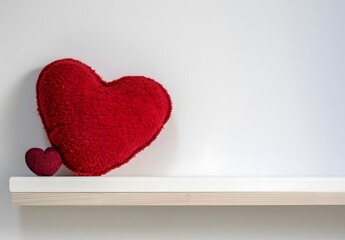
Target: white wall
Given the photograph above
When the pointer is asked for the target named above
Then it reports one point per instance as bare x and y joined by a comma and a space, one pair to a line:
258, 90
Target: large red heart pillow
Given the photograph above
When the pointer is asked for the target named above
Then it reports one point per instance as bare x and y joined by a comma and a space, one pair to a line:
96, 125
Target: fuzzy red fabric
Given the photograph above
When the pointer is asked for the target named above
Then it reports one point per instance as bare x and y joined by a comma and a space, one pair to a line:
43, 163
96, 125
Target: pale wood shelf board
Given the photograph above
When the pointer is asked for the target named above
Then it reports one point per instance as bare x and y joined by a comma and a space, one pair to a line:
165, 191
176, 199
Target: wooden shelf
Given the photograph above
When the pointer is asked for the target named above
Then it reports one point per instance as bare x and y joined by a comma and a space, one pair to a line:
194, 191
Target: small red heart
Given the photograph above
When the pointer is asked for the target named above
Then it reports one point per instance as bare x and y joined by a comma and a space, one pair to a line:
96, 125
43, 163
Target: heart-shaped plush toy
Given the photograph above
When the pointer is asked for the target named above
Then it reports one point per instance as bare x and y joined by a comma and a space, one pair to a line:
43, 163
96, 125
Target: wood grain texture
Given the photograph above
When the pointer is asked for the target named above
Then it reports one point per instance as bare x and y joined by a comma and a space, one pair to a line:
177, 198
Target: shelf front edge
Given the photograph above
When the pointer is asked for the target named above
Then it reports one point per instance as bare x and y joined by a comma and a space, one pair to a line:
178, 199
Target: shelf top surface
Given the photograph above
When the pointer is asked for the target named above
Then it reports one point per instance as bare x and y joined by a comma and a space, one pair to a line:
177, 184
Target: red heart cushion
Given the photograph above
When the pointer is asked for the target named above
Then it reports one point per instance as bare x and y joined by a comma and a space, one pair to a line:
97, 125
